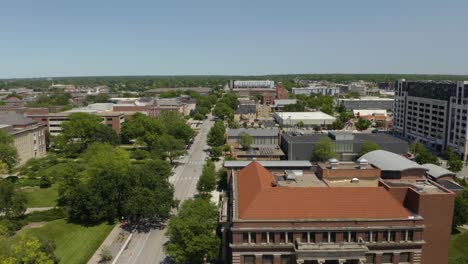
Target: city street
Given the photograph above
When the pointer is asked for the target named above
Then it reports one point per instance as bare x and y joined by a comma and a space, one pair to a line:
148, 247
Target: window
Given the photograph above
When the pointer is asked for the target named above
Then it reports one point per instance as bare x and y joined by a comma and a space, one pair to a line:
405, 257
271, 237
289, 237
332, 236
410, 235
249, 259
350, 237
304, 236
286, 259
403, 236
264, 237
282, 237
325, 237
267, 259
390, 236
253, 238
387, 258
245, 237
370, 258
312, 237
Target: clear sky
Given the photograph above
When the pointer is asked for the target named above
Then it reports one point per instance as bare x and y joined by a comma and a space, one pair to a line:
111, 37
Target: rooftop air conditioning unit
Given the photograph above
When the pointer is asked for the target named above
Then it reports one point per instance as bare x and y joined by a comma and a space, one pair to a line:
333, 164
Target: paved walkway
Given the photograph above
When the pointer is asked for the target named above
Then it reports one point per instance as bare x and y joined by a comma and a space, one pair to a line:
113, 242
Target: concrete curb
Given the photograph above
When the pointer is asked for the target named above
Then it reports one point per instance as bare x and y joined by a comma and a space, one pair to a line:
106, 243
122, 249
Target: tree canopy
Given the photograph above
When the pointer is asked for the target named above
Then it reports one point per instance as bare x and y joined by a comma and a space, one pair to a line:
81, 130
217, 134
8, 152
324, 150
12, 200
245, 140
368, 146
362, 124
192, 237
207, 181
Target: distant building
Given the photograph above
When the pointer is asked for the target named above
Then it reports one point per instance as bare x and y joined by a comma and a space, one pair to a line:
281, 103
53, 121
28, 135
265, 89
346, 145
181, 104
434, 113
200, 90
246, 113
309, 119
332, 91
266, 136
367, 103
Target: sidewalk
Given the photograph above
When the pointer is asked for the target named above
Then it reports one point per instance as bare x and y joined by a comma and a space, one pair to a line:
113, 242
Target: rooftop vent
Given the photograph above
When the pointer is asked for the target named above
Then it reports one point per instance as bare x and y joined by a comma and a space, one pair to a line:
354, 180
333, 163
363, 164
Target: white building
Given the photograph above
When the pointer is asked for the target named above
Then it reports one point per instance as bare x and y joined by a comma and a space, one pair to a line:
316, 90
290, 119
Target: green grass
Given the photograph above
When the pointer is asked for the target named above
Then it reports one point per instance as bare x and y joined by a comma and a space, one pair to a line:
38, 197
458, 245
75, 243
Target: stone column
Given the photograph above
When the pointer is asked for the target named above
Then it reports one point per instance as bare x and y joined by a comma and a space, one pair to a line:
276, 259
396, 258
378, 258
258, 259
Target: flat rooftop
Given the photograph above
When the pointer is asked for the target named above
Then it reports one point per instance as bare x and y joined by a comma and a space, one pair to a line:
304, 115
309, 179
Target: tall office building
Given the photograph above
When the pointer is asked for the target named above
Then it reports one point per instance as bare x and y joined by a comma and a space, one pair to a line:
433, 113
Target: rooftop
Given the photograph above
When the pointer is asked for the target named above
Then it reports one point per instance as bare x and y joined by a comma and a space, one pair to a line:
268, 163
304, 115
367, 99
437, 171
389, 161
246, 109
11, 118
357, 137
254, 132
259, 198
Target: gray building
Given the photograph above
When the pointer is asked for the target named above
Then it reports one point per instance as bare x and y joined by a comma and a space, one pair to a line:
434, 113
346, 145
367, 103
317, 90
261, 136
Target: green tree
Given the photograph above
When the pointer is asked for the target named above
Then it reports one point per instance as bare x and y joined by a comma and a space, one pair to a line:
192, 237
362, 124
455, 164
223, 111
217, 152
245, 140
460, 213
425, 156
176, 125
8, 152
81, 130
142, 129
323, 150
167, 146
368, 146
207, 181
216, 136
28, 250
151, 195
12, 201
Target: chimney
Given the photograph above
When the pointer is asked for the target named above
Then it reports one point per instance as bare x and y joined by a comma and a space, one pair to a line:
333, 164
363, 164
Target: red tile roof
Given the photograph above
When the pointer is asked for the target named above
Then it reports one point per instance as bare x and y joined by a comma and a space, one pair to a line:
259, 199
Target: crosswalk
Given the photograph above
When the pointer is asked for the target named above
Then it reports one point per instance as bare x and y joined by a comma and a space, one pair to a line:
174, 179
193, 162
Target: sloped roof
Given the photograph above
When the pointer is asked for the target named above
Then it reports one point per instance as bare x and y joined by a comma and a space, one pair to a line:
389, 161
258, 199
437, 171
10, 118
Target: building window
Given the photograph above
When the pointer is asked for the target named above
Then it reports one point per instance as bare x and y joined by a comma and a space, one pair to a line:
403, 235
253, 238
304, 237
264, 237
405, 257
267, 259
387, 258
249, 259
311, 237
286, 259
371, 236
410, 235
390, 236
282, 237
331, 237
370, 258
271, 237
289, 237
350, 237
245, 237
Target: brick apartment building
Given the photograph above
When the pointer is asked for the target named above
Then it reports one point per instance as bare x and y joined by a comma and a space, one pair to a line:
343, 213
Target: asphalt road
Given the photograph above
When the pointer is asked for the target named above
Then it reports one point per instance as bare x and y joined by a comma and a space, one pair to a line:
148, 247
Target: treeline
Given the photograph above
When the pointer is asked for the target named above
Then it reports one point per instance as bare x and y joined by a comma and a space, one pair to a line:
143, 83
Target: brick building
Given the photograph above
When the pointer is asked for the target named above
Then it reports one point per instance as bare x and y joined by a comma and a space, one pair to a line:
342, 214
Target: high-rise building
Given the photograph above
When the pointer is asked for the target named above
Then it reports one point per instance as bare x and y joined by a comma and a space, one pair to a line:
433, 113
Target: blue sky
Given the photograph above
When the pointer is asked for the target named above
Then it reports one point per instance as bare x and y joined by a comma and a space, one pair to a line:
96, 37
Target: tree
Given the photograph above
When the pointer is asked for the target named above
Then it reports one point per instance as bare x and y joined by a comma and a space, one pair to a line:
28, 250
12, 201
217, 152
176, 125
368, 146
216, 136
152, 196
223, 111
455, 164
324, 150
300, 124
245, 140
167, 146
81, 130
460, 213
425, 156
362, 124
192, 237
8, 152
207, 181
142, 129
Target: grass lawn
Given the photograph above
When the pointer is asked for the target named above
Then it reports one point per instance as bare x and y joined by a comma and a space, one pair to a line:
458, 245
38, 197
75, 243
